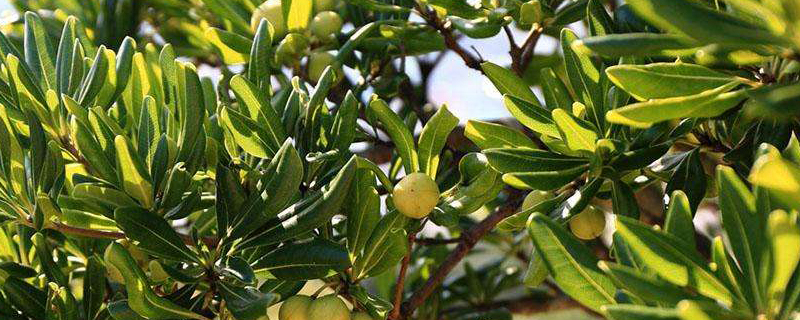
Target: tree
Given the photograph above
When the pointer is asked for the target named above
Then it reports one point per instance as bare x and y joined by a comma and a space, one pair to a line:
133, 187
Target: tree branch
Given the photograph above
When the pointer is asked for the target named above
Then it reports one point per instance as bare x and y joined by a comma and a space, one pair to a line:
466, 242
450, 41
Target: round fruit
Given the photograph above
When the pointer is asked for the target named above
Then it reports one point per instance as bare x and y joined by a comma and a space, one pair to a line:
324, 5
317, 62
533, 198
270, 10
325, 24
416, 195
360, 315
329, 307
291, 48
588, 224
295, 308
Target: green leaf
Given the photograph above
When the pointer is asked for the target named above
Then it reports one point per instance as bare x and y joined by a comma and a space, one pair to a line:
248, 134
666, 80
644, 114
637, 44
386, 246
433, 138
508, 83
666, 256
507, 160
303, 261
259, 109
544, 180
556, 94
154, 234
489, 135
398, 132
744, 228
571, 264
780, 178
40, 55
258, 68
132, 174
304, 218
599, 21
645, 286
362, 210
690, 177
246, 303
297, 13
585, 78
532, 116
635, 312
578, 136
698, 21
30, 300
233, 48
344, 123
679, 217
784, 237
623, 199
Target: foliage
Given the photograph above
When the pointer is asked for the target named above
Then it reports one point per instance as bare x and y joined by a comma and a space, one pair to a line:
132, 186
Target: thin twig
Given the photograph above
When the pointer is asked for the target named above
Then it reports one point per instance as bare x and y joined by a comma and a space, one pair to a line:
466, 242
401, 276
450, 41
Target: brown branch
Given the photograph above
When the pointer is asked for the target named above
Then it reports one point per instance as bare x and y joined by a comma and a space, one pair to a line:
450, 41
527, 49
436, 242
401, 276
466, 242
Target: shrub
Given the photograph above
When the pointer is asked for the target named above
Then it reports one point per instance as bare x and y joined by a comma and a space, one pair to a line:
131, 186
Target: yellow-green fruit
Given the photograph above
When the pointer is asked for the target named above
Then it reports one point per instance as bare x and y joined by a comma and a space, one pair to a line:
324, 5
270, 10
533, 198
360, 315
325, 24
588, 224
137, 254
329, 307
415, 195
291, 48
317, 62
295, 308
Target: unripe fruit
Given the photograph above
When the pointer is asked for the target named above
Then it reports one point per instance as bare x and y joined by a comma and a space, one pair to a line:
415, 195
317, 62
325, 24
360, 315
588, 224
295, 308
113, 274
270, 10
533, 198
324, 5
329, 307
291, 48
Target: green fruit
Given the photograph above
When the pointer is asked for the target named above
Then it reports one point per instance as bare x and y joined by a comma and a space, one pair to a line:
329, 307
588, 224
324, 5
291, 48
270, 10
317, 62
533, 198
295, 308
360, 315
325, 24
416, 195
